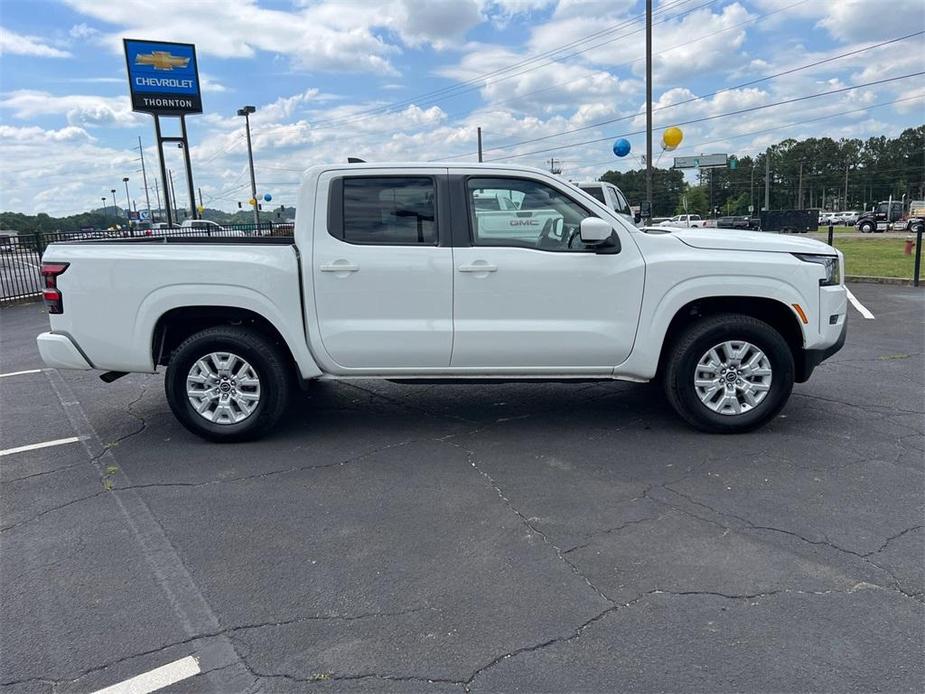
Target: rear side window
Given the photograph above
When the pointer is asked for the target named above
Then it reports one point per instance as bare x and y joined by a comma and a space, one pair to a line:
388, 210
595, 192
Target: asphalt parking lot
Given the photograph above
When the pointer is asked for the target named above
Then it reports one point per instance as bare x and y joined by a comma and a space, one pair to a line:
517, 538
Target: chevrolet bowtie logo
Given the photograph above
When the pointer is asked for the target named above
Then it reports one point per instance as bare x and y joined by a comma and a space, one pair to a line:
161, 60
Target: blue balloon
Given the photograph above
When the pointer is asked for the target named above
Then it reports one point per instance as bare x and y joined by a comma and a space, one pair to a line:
267, 197
621, 147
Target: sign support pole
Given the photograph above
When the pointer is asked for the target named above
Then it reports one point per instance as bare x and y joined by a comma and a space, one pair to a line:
194, 214
160, 156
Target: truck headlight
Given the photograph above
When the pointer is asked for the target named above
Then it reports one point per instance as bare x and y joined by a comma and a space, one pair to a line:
829, 262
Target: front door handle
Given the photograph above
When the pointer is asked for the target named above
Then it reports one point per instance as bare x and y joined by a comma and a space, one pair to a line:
339, 266
478, 267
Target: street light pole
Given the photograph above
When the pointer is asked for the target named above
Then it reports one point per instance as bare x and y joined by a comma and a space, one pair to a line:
128, 201
246, 112
767, 180
649, 105
103, 198
115, 211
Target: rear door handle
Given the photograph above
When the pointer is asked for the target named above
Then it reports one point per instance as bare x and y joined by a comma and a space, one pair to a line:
478, 267
339, 266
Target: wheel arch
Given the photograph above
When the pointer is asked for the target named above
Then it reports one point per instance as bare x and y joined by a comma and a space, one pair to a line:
775, 313
177, 324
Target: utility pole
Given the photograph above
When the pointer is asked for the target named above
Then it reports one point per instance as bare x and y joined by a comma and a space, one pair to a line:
479, 130
649, 106
767, 179
800, 194
157, 192
246, 112
200, 201
846, 186
555, 166
144, 178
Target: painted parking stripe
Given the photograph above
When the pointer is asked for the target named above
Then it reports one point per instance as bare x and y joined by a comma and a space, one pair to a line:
35, 446
155, 679
862, 309
21, 373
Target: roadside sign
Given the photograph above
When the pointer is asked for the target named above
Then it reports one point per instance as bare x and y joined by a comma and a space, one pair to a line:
144, 215
163, 77
702, 161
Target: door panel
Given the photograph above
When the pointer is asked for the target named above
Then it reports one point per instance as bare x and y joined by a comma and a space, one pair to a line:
383, 300
539, 308
550, 302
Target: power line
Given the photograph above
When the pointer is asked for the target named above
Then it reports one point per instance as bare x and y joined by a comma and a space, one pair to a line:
714, 117
475, 82
633, 62
787, 125
695, 98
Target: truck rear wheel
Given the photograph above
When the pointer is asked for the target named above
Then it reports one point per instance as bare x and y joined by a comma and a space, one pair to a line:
729, 373
227, 384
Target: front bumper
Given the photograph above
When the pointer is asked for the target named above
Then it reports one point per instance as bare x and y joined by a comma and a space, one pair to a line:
814, 357
60, 352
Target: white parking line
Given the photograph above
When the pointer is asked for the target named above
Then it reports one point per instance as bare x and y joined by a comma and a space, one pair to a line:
862, 309
21, 373
34, 446
155, 679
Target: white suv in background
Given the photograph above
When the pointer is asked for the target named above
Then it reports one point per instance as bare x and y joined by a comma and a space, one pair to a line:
611, 196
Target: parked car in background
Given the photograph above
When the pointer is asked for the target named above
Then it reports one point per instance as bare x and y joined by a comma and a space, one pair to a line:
684, 221
611, 196
850, 218
737, 222
390, 275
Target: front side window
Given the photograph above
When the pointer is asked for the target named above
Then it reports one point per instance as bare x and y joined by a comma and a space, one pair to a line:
542, 217
389, 210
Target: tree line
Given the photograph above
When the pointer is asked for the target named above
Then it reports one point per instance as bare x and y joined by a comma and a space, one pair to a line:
811, 173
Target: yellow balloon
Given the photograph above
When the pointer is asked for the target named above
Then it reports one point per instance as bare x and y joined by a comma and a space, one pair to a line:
672, 137
252, 201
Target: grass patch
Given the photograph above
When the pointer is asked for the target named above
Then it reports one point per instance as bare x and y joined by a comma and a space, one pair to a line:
876, 257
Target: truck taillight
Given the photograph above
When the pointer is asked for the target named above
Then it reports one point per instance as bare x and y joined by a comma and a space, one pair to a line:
50, 292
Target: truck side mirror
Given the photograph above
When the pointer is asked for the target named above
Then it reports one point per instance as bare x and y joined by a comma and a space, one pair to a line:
594, 230
637, 217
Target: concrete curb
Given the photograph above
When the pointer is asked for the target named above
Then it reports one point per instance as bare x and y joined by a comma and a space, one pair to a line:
879, 280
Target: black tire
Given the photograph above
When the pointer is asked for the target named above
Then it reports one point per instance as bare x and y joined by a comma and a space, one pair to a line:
866, 227
267, 360
686, 351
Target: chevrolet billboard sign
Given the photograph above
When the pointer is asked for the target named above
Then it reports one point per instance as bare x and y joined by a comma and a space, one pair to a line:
163, 77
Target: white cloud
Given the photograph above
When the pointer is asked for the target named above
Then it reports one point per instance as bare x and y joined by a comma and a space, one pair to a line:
78, 109
20, 44
83, 31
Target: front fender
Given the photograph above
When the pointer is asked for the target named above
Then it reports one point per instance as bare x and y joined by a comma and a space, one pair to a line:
642, 364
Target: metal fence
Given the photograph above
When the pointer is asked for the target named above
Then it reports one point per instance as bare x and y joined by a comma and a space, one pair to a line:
21, 255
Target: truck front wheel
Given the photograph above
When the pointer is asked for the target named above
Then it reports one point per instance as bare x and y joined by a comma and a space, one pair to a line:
729, 373
227, 383
867, 227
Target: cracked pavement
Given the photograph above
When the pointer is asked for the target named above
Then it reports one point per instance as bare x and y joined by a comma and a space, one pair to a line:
477, 538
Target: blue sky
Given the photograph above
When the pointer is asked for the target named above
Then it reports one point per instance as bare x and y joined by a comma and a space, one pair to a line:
355, 77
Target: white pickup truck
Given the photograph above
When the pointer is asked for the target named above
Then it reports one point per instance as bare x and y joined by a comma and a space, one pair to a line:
684, 221
389, 276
